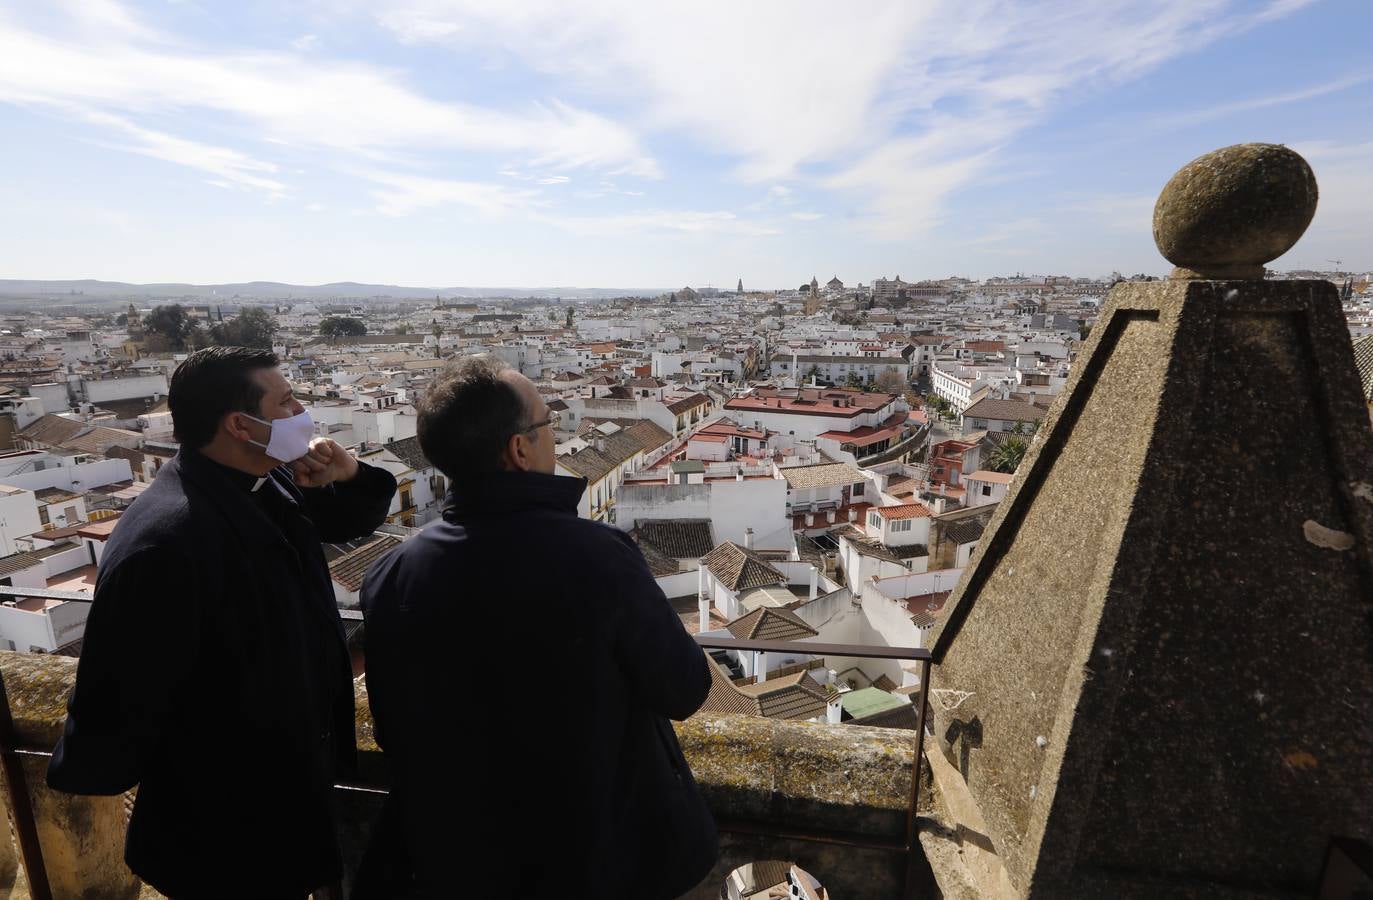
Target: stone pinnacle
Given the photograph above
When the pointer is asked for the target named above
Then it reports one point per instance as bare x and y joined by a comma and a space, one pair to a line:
1225, 214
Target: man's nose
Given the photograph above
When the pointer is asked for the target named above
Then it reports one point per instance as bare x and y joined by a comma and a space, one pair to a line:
296, 407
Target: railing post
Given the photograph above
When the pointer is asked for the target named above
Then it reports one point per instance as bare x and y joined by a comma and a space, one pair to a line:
913, 820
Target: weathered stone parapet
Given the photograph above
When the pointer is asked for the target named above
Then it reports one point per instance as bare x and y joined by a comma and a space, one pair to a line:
82, 837
780, 776
802, 776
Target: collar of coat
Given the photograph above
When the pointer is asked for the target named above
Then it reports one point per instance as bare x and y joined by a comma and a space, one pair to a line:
232, 495
512, 492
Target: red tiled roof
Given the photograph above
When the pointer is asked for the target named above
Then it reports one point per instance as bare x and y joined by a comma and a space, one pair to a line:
869, 434
812, 401
904, 511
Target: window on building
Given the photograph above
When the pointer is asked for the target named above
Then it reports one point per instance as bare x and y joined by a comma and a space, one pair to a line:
858, 490
873, 520
986, 490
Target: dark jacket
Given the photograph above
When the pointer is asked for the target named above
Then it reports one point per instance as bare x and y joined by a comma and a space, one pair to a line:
214, 675
521, 667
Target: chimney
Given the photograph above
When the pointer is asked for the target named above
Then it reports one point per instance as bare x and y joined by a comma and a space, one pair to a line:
814, 582
810, 519
829, 516
748, 538
760, 666
703, 607
834, 709
853, 514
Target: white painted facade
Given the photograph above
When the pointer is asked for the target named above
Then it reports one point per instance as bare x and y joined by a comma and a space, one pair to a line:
38, 469
18, 517
732, 507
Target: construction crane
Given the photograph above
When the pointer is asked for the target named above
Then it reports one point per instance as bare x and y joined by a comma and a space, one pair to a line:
1338, 263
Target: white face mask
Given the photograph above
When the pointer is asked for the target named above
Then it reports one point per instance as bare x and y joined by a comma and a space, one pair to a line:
290, 438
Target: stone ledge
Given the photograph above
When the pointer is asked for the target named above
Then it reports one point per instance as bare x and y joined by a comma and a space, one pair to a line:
787, 776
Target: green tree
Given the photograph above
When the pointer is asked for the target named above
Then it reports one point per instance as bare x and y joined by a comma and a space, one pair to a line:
1007, 456
171, 323
253, 327
341, 326
853, 380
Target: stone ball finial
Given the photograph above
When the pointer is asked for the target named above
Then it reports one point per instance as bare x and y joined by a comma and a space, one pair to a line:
1225, 214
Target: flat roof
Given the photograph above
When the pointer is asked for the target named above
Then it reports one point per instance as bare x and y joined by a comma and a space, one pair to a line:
869, 701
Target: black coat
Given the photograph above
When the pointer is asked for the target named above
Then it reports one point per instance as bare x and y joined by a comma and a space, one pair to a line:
214, 675
522, 665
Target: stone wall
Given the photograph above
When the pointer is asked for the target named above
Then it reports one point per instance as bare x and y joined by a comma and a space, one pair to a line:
761, 774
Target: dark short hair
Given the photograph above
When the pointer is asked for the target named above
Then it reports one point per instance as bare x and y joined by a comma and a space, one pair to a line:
212, 383
466, 417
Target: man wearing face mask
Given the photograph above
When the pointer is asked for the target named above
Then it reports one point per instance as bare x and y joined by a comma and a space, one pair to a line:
214, 673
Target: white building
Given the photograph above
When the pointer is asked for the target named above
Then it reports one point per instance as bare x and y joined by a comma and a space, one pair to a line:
18, 517
983, 487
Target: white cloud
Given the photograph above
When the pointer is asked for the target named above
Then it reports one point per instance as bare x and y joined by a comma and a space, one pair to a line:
1344, 176
807, 216
555, 179
231, 168
306, 42
683, 221
355, 109
1131, 214
1221, 110
403, 194
921, 112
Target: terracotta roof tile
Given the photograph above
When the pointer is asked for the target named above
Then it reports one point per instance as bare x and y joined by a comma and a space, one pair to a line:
677, 538
724, 697
822, 475
1007, 410
408, 451
904, 511
795, 696
771, 624
349, 568
739, 569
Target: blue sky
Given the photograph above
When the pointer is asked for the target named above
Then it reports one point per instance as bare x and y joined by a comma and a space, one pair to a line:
631, 144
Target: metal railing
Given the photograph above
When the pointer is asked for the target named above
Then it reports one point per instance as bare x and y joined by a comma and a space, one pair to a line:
20, 801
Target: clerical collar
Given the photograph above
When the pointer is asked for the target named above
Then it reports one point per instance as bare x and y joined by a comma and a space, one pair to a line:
245, 480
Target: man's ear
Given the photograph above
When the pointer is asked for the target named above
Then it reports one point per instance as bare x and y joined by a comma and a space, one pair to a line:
236, 424
516, 455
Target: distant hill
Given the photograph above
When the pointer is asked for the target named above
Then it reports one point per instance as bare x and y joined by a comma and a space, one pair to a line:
92, 291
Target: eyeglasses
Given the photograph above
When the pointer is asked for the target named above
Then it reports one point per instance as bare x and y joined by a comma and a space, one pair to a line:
537, 425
